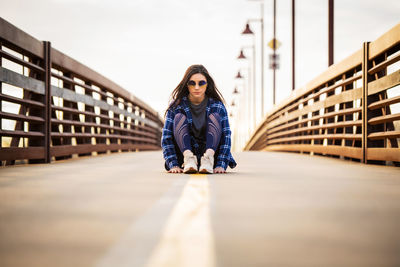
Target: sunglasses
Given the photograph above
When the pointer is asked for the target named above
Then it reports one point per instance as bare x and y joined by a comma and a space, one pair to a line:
193, 83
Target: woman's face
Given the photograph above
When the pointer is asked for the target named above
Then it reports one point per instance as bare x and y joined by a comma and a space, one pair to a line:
197, 86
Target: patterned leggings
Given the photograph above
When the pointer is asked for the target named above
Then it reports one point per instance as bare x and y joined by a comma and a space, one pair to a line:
182, 135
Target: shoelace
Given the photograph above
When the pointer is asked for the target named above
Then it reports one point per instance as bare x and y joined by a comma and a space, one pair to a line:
186, 159
209, 158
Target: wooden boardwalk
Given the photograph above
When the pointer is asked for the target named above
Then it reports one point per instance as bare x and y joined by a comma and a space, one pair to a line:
274, 209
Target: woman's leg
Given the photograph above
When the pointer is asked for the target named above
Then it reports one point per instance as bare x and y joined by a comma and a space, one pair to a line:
213, 136
182, 138
181, 132
214, 131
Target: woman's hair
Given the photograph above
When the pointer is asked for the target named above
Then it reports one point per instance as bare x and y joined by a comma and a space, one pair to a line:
182, 89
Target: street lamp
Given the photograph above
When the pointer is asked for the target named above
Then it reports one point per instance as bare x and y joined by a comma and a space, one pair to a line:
247, 30
244, 104
242, 56
238, 75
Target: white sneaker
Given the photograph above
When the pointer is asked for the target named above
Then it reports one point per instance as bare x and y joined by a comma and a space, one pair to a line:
190, 163
207, 163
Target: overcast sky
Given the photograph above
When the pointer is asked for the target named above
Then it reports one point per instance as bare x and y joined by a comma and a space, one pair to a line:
146, 45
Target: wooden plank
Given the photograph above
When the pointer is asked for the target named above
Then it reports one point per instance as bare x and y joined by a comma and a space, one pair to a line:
384, 83
20, 133
316, 127
77, 111
387, 154
385, 118
383, 135
21, 101
19, 117
66, 150
19, 80
21, 61
384, 42
103, 126
351, 152
90, 135
384, 64
14, 153
19, 38
384, 103
316, 137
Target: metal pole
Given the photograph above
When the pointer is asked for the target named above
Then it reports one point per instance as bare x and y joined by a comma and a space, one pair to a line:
293, 46
262, 60
248, 100
274, 55
243, 102
330, 34
254, 83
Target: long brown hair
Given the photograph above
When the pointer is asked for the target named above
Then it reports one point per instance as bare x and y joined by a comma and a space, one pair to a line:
182, 90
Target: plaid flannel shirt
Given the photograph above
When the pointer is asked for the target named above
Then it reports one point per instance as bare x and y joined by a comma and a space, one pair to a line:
223, 153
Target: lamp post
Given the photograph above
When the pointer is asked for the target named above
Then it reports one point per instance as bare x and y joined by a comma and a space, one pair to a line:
249, 31
250, 83
244, 104
293, 46
274, 55
330, 31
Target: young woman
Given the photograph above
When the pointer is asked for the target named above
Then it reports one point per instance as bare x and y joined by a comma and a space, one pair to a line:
196, 129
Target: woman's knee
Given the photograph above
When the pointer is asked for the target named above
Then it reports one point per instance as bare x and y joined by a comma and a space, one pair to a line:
179, 122
215, 118
179, 118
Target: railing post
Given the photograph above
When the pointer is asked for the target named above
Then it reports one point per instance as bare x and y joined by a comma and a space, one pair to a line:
47, 115
1, 107
364, 102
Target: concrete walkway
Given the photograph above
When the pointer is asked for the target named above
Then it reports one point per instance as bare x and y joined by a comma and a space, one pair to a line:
274, 209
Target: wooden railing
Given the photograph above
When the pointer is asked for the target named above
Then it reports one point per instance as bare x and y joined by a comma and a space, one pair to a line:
350, 111
53, 107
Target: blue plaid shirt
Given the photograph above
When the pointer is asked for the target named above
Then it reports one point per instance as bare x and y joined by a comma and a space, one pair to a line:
223, 153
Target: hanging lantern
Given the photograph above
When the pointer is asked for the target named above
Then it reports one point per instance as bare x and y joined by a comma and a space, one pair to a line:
247, 30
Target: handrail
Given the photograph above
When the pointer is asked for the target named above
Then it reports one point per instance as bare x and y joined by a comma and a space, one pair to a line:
328, 115
65, 108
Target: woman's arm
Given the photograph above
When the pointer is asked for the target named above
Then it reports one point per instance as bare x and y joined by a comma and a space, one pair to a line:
167, 142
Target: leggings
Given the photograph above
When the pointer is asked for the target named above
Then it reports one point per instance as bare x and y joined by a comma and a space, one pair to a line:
182, 135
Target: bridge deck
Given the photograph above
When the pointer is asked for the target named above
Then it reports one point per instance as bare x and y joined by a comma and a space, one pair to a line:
274, 209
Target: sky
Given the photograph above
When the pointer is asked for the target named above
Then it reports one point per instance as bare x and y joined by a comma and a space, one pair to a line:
145, 46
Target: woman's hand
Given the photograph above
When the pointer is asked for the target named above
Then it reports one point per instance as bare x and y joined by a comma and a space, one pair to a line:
175, 170
219, 170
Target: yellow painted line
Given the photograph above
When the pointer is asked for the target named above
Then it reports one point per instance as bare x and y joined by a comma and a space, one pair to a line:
187, 239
